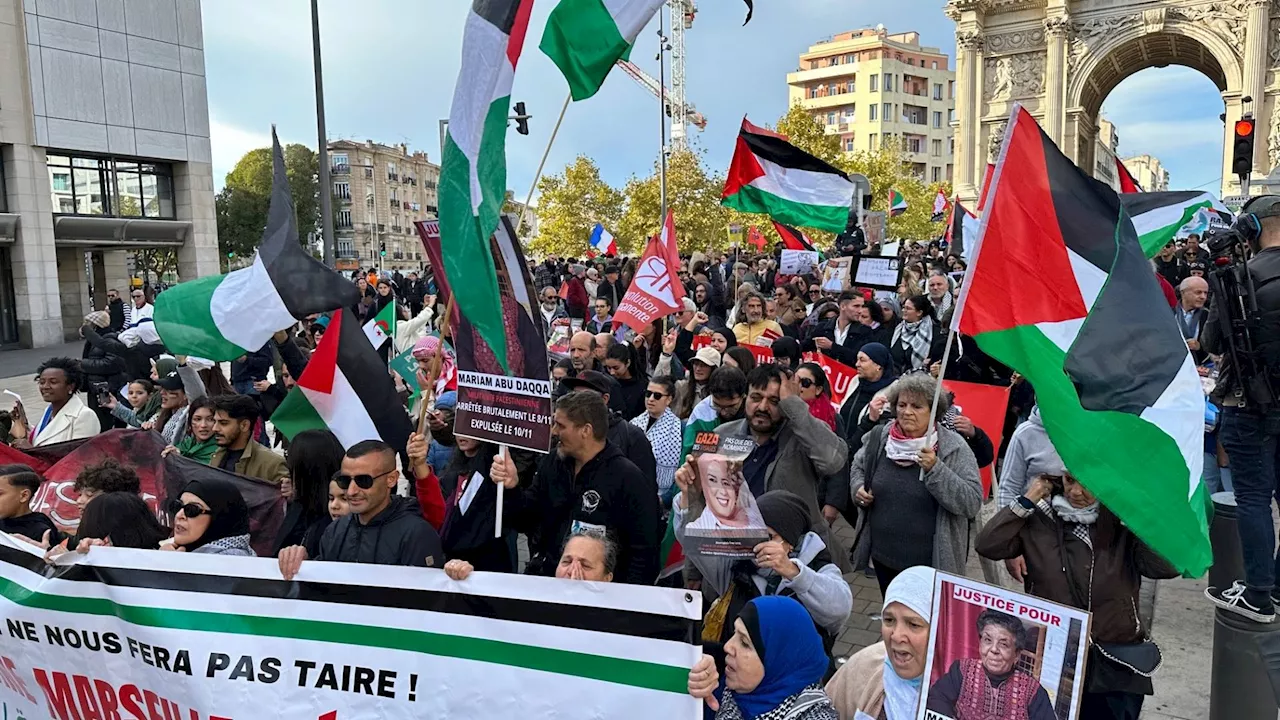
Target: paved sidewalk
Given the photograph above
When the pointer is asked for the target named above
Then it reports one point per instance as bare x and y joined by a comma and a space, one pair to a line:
25, 362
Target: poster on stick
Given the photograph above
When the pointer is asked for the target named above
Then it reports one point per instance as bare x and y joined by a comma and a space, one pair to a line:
499, 407
729, 523
835, 276
991, 647
140, 634
878, 272
797, 262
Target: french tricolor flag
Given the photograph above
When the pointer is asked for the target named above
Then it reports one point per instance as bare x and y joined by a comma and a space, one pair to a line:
602, 242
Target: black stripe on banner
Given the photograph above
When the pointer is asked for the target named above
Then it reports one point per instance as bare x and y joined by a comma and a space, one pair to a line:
1139, 203
499, 13
781, 152
577, 617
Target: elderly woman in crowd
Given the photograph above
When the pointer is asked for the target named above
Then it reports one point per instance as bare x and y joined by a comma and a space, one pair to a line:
587, 556
1078, 553
774, 664
883, 680
907, 522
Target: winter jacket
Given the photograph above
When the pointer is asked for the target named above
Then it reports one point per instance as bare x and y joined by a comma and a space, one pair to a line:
752, 333
576, 299
115, 309
632, 442
611, 291
1030, 453
608, 493
105, 359
545, 275
396, 536
467, 532
257, 461
33, 525
1103, 580
633, 391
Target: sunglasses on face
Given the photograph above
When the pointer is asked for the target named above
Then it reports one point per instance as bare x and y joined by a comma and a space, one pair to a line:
364, 482
805, 383
654, 395
189, 510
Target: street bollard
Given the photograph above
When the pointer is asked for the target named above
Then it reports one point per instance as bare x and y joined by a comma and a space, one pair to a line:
1228, 561
1239, 687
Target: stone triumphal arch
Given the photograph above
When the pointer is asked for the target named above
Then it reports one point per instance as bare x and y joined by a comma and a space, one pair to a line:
1060, 59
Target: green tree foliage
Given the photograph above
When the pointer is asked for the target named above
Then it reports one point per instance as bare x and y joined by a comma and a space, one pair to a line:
570, 204
242, 204
693, 195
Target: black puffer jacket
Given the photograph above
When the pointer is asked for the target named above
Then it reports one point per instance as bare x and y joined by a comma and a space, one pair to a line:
396, 536
105, 359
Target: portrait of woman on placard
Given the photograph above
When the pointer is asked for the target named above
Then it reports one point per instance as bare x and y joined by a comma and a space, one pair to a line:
990, 686
730, 505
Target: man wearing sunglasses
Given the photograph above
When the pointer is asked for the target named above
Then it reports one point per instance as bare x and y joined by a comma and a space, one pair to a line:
382, 528
587, 485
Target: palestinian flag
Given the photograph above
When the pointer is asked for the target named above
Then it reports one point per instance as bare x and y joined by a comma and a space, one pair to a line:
473, 172
584, 38
792, 238
1117, 390
1158, 217
1127, 183
897, 203
962, 232
346, 389
941, 206
986, 185
221, 317
771, 176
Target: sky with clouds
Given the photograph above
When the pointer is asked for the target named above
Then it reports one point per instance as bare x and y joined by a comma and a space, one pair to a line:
390, 68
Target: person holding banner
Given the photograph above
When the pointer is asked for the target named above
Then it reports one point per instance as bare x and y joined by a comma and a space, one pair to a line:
471, 500
212, 518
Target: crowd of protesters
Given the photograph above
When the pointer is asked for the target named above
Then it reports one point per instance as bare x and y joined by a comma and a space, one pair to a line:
896, 458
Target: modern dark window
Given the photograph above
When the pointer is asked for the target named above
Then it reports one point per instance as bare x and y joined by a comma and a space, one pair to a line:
112, 187
4, 196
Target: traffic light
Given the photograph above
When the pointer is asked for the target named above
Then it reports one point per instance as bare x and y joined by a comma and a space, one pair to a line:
231, 254
522, 119
382, 249
1242, 148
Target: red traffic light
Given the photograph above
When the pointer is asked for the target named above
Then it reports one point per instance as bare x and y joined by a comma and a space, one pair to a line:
1244, 128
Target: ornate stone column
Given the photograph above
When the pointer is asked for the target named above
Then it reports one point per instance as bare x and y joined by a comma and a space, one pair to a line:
1256, 62
1057, 29
968, 110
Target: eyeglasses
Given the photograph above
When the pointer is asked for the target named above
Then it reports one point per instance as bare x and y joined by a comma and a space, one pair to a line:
189, 510
814, 292
654, 395
138, 297
805, 383
364, 482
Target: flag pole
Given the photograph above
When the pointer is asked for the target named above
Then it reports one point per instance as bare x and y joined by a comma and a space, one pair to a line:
937, 393
538, 175
502, 492
437, 362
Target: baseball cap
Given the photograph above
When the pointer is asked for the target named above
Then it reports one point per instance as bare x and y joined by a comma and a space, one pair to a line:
589, 380
708, 356
171, 381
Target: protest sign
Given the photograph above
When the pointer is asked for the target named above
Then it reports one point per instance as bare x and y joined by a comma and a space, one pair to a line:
797, 262
514, 407
730, 524
120, 633
840, 377
656, 289
981, 631
890, 249
878, 272
762, 353
406, 367
835, 276
558, 342
985, 405
873, 224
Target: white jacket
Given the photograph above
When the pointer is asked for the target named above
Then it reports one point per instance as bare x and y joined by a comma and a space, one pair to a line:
74, 421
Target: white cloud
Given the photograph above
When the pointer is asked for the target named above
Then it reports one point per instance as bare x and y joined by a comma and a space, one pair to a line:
230, 143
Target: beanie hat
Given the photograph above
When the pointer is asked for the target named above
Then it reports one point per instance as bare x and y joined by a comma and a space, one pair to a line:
101, 318
786, 513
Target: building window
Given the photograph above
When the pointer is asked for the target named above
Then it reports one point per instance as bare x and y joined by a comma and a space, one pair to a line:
888, 112
850, 86
831, 118
937, 118
951, 116
935, 66
937, 90
850, 114
391, 171
339, 161
873, 142
911, 61
951, 89
873, 110
937, 174
342, 190
344, 219
951, 146
936, 147
913, 144
887, 83
848, 144
113, 187
875, 83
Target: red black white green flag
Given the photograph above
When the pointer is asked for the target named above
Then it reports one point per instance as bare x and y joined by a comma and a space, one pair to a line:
1117, 389
792, 238
1127, 182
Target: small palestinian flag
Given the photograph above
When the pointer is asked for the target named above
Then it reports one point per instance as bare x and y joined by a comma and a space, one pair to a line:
897, 203
940, 206
473, 171
222, 317
346, 389
1158, 217
962, 232
1117, 390
1127, 183
771, 176
584, 38
792, 238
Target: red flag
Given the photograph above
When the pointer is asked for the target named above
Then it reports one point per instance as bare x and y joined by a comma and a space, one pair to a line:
656, 290
755, 237
1127, 183
986, 185
985, 405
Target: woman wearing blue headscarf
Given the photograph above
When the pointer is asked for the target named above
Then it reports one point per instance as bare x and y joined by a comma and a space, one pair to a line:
774, 665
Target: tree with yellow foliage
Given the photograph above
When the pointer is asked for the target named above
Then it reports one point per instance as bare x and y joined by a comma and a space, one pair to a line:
570, 204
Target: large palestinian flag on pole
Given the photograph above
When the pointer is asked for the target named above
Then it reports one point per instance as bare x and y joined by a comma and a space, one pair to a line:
473, 172
771, 176
346, 389
1118, 392
1158, 217
221, 317
584, 38
1127, 182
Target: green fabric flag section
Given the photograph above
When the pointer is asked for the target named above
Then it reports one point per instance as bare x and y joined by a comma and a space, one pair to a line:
184, 320
751, 199
584, 38
406, 367
382, 327
1157, 509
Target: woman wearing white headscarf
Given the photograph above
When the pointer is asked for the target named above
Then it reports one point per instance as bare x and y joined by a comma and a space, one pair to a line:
883, 681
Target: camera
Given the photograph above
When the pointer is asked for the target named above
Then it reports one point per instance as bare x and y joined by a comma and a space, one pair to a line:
1247, 337
101, 389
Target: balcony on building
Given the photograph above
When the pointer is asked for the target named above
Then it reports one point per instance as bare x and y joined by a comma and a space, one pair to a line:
915, 115
802, 75
915, 85
101, 200
343, 169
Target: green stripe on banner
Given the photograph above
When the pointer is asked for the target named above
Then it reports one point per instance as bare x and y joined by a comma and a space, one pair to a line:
635, 673
1153, 240
751, 199
184, 319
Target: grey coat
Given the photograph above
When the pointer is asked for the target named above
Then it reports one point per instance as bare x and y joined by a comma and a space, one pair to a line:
954, 484
808, 451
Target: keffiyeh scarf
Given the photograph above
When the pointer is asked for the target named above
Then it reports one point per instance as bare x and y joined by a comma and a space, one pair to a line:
918, 337
905, 450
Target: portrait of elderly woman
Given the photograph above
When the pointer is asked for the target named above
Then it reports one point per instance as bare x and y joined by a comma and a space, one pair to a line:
990, 686
730, 505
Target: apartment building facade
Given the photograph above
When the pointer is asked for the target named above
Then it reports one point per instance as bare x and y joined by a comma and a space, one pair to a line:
874, 89
379, 192
1105, 146
1149, 173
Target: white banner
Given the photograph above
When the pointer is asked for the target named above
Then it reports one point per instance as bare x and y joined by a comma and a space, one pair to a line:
147, 635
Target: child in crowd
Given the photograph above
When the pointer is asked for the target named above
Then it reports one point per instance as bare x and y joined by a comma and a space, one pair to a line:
18, 486
144, 402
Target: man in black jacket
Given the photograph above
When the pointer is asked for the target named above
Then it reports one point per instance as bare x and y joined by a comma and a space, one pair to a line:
842, 338
611, 288
587, 485
383, 528
115, 308
629, 439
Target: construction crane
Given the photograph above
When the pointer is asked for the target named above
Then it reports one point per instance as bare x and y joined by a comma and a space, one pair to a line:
681, 112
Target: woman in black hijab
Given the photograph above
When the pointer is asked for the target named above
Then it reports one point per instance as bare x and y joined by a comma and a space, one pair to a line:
212, 518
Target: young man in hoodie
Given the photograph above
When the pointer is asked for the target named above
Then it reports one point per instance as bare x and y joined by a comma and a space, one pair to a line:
382, 528
18, 485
